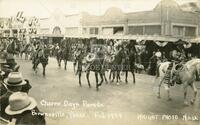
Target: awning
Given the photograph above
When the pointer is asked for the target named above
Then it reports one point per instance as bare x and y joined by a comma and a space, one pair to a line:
45, 35
80, 36
141, 37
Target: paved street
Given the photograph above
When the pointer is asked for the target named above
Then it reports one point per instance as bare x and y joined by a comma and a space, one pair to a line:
59, 95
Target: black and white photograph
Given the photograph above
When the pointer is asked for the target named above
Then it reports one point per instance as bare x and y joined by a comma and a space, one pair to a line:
100, 62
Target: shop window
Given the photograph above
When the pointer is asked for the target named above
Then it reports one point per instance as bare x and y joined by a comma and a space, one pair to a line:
135, 30
178, 31
190, 31
94, 30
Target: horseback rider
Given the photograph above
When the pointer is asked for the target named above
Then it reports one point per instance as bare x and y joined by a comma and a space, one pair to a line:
10, 52
79, 55
38, 49
176, 60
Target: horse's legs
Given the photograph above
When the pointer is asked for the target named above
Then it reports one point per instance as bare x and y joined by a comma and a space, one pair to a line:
79, 76
195, 93
126, 77
101, 75
118, 77
168, 92
185, 93
74, 67
88, 76
59, 62
44, 69
159, 85
110, 74
25, 56
21, 54
96, 76
35, 65
104, 75
133, 76
65, 64
113, 73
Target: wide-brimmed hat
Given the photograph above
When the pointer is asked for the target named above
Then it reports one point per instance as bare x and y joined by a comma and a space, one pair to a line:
15, 79
20, 102
90, 57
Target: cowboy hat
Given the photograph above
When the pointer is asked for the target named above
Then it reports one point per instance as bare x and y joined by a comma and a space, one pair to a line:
20, 102
15, 79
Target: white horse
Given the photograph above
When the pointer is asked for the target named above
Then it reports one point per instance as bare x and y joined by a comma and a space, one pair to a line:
186, 75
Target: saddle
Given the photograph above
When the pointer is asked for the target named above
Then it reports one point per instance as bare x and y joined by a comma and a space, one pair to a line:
175, 77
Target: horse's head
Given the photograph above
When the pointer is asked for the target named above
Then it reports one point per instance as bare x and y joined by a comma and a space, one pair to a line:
193, 65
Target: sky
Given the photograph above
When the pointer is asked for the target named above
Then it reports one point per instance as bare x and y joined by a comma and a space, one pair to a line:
44, 8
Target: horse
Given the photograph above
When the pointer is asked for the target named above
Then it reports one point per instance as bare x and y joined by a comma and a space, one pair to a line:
185, 75
116, 65
18, 48
96, 66
63, 54
123, 61
40, 57
11, 51
129, 65
78, 62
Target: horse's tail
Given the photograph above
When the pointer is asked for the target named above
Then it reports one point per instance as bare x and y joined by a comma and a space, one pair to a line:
157, 71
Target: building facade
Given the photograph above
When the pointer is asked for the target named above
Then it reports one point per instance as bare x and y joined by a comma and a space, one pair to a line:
167, 19
167, 22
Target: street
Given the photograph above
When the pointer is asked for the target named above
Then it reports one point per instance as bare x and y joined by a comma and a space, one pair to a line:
65, 103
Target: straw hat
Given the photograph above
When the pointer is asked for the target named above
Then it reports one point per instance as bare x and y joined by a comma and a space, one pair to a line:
20, 102
15, 79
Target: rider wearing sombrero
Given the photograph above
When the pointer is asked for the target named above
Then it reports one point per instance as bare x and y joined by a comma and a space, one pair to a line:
176, 62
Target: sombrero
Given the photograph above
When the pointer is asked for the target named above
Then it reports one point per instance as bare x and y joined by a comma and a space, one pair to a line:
20, 102
112, 58
90, 57
158, 54
15, 79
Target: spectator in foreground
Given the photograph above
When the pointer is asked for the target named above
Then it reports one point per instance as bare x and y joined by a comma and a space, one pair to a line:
14, 83
21, 107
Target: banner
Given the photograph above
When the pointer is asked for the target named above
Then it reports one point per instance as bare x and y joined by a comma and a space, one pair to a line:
161, 44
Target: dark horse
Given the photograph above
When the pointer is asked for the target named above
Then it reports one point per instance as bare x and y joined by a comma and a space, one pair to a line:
124, 61
11, 51
96, 66
63, 53
129, 64
41, 56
